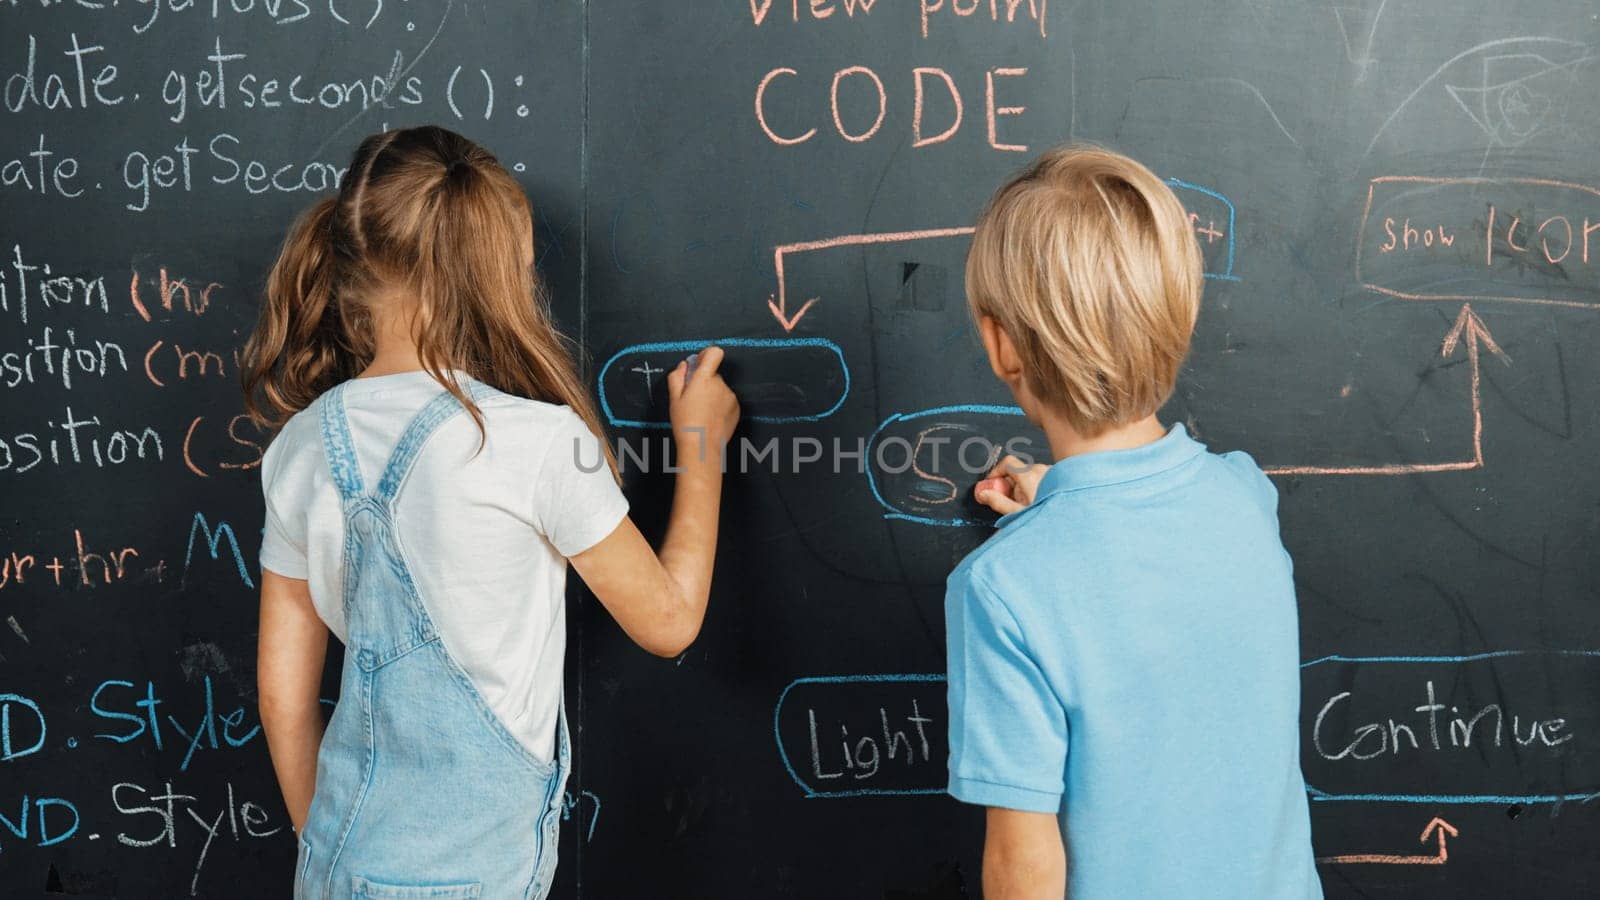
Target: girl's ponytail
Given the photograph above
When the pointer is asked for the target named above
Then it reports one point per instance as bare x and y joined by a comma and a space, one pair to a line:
297, 349
425, 215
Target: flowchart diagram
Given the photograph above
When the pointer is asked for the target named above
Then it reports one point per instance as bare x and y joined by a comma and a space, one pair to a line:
1419, 223
1419, 239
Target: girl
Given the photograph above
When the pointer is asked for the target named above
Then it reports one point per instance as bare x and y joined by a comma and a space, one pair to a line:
435, 544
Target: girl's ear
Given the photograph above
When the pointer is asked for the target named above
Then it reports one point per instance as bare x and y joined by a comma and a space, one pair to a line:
1003, 359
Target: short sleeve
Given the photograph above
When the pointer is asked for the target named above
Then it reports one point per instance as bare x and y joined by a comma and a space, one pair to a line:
577, 503
1008, 730
283, 545
1266, 493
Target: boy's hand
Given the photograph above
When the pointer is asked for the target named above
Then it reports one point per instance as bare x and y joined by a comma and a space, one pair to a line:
703, 409
1010, 485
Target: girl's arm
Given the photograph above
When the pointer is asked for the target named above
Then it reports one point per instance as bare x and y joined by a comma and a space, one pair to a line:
293, 645
660, 599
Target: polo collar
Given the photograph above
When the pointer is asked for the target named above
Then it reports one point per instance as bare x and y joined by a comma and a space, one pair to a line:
1107, 467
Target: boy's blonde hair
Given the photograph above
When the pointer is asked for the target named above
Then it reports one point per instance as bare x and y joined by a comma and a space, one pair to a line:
1088, 262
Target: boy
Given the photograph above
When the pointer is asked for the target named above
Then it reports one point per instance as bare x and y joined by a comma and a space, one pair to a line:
1124, 659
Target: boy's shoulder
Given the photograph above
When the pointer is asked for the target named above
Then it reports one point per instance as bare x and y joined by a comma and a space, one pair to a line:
1022, 539
1072, 525
1251, 478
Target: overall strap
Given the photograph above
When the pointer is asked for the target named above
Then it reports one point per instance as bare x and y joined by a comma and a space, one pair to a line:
422, 426
336, 443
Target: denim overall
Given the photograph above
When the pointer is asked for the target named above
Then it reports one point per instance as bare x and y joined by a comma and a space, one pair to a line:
421, 790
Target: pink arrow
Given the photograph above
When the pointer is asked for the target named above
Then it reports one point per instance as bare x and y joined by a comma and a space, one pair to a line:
1469, 330
1436, 826
787, 322
779, 307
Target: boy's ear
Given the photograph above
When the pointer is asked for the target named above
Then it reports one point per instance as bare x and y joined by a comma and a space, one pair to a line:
1003, 358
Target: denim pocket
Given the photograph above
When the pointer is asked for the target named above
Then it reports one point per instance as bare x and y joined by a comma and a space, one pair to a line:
373, 890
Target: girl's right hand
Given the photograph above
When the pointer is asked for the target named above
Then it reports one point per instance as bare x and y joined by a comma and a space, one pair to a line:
703, 408
660, 599
1010, 486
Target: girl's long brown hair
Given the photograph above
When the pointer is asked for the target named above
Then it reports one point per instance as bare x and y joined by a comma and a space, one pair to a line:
426, 212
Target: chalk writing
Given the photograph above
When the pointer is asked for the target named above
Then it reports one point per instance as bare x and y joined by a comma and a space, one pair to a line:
86, 566
123, 712
237, 820
149, 172
25, 284
1030, 13
171, 293
85, 80
220, 80
1448, 729
866, 735
73, 439
923, 465
59, 73
822, 9
115, 700
999, 11
49, 815
782, 380
20, 716
56, 356
41, 169
211, 540
164, 363
572, 807
859, 757
1213, 218
1511, 240
45, 821
242, 449
868, 117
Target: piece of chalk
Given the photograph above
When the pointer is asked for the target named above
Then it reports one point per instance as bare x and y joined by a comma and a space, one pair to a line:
693, 360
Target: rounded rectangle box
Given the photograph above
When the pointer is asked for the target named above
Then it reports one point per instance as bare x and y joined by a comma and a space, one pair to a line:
777, 380
1213, 219
923, 465
864, 735
1510, 240
1501, 727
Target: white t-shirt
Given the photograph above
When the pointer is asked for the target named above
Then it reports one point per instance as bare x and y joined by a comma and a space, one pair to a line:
486, 536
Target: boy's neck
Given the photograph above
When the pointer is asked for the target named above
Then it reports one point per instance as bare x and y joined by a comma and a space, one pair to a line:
1065, 441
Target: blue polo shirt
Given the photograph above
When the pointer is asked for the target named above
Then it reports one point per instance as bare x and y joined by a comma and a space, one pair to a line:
1124, 654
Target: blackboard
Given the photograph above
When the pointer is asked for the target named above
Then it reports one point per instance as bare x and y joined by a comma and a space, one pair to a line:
1399, 205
